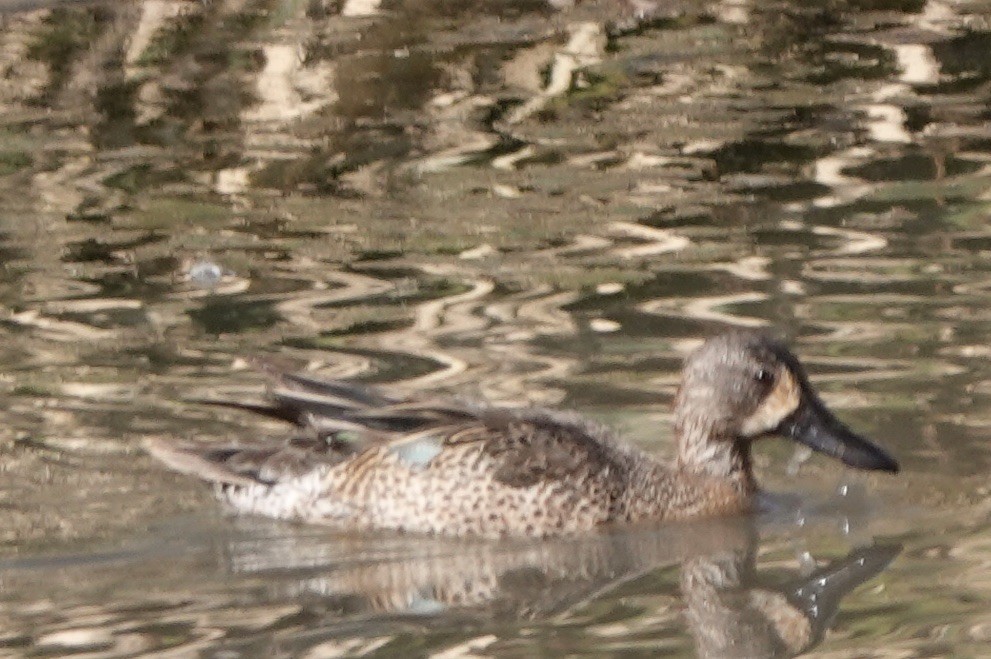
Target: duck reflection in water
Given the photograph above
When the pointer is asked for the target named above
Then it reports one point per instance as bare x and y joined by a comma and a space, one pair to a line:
733, 612
456, 468
731, 607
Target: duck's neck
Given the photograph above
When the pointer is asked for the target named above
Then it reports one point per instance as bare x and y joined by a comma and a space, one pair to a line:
712, 477
706, 449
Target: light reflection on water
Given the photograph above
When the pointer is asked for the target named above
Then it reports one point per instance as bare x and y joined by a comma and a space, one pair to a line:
521, 201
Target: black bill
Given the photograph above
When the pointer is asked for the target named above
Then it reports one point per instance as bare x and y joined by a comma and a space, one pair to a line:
813, 425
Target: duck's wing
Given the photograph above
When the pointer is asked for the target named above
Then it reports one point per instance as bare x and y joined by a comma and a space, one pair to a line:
307, 402
244, 463
338, 420
344, 419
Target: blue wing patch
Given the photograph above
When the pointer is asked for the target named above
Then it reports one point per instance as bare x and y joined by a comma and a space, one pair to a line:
418, 451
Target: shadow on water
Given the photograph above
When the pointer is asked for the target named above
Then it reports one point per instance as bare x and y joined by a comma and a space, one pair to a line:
521, 201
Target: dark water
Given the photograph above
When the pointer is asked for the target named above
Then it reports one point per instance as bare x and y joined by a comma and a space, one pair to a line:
522, 201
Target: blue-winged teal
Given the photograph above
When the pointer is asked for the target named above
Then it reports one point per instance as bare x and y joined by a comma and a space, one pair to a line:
374, 462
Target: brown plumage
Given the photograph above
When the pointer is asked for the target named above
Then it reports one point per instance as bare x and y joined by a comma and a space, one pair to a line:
374, 462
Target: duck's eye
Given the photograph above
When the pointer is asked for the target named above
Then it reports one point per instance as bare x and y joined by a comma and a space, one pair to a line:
764, 376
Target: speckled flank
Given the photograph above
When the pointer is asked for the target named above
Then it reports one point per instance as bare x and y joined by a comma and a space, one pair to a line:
459, 490
371, 462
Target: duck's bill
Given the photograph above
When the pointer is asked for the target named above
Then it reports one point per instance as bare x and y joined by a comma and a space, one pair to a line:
813, 425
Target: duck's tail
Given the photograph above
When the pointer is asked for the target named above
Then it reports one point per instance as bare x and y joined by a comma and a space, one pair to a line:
334, 416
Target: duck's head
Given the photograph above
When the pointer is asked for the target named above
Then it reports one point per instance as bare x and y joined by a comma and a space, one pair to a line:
747, 384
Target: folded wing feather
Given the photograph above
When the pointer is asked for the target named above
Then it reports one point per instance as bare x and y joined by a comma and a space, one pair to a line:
341, 420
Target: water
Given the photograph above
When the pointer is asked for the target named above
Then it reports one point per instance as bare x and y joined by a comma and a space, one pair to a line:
526, 202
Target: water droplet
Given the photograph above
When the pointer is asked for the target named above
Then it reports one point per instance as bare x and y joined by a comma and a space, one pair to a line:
801, 455
205, 274
604, 325
610, 288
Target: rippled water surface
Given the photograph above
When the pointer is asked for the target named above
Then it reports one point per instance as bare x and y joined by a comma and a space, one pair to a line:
521, 201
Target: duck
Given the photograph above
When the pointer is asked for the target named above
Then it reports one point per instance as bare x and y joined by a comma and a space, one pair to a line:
367, 461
